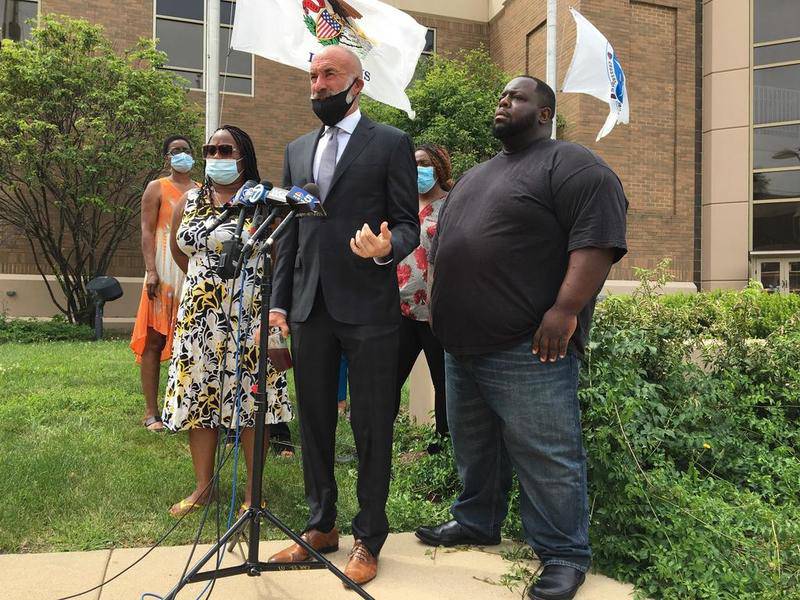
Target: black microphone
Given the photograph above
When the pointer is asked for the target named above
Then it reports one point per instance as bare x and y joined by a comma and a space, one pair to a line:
212, 223
232, 248
302, 197
308, 204
305, 200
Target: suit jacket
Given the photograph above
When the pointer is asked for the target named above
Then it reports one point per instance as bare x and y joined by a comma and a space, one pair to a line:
374, 181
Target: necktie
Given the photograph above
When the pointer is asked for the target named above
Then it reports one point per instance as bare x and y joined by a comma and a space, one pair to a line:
327, 164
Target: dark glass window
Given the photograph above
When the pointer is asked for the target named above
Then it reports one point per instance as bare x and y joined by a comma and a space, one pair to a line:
236, 85
183, 9
15, 16
183, 43
765, 55
775, 185
794, 277
239, 63
227, 10
776, 226
430, 42
777, 94
192, 79
771, 276
776, 146
776, 20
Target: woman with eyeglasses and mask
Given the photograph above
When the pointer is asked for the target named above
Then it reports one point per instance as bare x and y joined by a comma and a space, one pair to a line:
202, 393
151, 340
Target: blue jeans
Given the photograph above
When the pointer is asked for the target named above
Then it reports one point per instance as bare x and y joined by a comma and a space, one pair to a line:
507, 410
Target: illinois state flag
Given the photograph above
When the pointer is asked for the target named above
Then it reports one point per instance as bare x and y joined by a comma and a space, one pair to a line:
596, 71
388, 41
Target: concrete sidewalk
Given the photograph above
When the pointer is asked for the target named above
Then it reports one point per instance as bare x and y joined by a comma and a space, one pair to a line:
408, 570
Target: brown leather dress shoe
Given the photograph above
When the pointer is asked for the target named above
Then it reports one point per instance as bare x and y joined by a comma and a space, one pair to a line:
362, 566
320, 541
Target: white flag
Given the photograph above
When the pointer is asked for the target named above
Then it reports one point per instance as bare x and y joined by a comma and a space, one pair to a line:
596, 71
388, 41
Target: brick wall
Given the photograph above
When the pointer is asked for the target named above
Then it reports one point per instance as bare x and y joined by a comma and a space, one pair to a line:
654, 155
278, 112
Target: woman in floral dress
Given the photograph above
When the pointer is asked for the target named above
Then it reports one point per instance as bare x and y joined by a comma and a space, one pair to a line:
433, 181
202, 392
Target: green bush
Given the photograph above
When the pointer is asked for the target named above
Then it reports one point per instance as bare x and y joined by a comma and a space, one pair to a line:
694, 471
29, 331
693, 468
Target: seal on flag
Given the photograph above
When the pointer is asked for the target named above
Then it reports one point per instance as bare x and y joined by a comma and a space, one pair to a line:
335, 22
615, 76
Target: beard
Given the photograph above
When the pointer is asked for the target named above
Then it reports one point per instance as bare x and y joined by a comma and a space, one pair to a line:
507, 129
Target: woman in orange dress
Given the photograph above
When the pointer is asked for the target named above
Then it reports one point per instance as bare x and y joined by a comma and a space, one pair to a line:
151, 341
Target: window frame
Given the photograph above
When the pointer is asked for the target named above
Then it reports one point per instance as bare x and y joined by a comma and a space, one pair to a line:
38, 19
431, 52
757, 255
223, 75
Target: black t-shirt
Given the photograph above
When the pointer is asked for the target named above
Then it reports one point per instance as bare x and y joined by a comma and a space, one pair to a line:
504, 238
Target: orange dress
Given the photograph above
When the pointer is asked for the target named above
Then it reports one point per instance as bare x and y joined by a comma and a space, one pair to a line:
160, 313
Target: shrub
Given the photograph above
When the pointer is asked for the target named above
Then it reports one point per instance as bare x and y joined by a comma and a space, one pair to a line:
28, 331
694, 472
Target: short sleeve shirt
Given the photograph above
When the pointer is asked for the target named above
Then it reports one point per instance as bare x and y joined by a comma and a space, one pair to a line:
504, 238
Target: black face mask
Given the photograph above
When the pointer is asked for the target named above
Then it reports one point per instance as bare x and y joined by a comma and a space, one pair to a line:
332, 109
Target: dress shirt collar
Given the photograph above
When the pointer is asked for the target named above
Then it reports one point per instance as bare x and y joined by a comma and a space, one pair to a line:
349, 123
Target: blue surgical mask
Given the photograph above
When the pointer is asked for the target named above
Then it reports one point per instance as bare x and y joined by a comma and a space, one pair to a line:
425, 179
182, 162
222, 170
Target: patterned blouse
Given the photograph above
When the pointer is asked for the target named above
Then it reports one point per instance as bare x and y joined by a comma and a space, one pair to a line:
412, 272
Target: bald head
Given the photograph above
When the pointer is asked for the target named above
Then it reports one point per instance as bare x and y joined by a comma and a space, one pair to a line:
342, 57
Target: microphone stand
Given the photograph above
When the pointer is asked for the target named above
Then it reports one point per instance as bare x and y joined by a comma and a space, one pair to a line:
252, 566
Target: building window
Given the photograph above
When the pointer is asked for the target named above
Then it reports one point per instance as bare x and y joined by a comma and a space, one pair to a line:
776, 142
430, 42
15, 15
180, 31
427, 52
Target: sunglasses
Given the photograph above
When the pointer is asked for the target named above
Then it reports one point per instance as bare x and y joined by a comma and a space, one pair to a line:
176, 151
221, 150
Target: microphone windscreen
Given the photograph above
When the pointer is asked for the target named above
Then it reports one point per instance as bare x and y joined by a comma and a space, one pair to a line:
267, 184
312, 188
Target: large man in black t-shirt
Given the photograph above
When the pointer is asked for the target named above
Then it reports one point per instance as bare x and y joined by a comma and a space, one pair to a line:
525, 243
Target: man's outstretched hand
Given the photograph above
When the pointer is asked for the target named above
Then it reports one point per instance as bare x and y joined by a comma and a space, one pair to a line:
368, 245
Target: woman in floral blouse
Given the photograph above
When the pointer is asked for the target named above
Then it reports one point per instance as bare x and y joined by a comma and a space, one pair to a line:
433, 182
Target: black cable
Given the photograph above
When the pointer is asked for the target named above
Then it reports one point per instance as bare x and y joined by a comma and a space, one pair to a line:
141, 558
229, 331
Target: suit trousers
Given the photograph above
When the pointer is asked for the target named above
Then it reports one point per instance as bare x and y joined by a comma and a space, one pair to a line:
371, 350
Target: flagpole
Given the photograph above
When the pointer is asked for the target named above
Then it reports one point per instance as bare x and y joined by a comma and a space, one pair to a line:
551, 51
212, 66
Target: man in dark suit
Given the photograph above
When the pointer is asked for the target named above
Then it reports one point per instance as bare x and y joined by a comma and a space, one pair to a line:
335, 283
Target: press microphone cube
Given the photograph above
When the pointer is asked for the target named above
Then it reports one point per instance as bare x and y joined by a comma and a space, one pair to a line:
304, 202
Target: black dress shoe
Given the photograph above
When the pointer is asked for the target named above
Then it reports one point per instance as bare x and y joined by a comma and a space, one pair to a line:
452, 534
557, 582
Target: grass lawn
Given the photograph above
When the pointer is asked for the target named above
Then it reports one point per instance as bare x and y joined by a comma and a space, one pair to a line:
79, 472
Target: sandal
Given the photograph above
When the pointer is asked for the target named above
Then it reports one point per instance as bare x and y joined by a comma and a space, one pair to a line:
245, 507
185, 507
150, 421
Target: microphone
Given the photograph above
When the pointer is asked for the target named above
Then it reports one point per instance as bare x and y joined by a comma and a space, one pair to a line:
304, 200
212, 223
298, 200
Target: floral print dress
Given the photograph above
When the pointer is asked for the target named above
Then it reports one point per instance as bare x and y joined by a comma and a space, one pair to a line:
201, 390
412, 271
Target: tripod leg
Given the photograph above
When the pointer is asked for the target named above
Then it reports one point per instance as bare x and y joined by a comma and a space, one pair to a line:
212, 552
